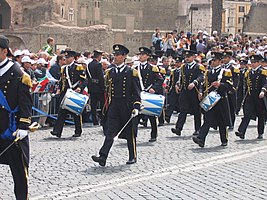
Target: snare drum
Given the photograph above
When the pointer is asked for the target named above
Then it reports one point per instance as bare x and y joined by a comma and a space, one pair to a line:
152, 104
74, 102
210, 100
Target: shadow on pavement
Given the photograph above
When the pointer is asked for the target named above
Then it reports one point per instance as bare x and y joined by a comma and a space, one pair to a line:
207, 149
95, 170
59, 139
185, 137
248, 141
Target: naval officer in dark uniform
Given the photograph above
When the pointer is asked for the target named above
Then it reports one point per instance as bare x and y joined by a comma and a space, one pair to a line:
96, 86
76, 79
220, 80
15, 115
254, 107
192, 75
123, 90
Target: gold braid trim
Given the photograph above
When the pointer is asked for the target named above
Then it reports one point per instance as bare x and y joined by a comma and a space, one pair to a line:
25, 120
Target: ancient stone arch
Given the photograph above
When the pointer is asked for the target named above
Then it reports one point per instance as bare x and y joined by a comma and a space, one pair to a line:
15, 42
5, 15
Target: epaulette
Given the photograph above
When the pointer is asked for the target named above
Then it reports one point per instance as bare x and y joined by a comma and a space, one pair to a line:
80, 68
264, 72
62, 69
155, 69
26, 79
172, 72
246, 73
227, 73
107, 72
135, 73
202, 68
236, 70
162, 70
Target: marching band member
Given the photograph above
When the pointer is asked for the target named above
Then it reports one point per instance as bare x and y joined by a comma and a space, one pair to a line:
219, 80
255, 101
173, 96
15, 114
151, 81
72, 76
123, 89
232, 97
192, 75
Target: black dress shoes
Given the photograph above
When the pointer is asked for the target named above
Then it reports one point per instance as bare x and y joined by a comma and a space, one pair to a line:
176, 131
260, 136
161, 124
152, 140
239, 134
131, 161
101, 160
224, 144
198, 141
195, 133
77, 135
55, 134
167, 119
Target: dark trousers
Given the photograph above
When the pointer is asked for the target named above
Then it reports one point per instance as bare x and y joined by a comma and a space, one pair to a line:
19, 168
62, 114
232, 104
173, 103
204, 130
118, 114
153, 122
95, 99
189, 103
245, 122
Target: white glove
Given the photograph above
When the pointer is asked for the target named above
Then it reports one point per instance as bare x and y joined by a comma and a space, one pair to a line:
261, 95
21, 134
135, 112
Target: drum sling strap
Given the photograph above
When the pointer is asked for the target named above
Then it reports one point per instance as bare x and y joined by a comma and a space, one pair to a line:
68, 78
141, 80
12, 121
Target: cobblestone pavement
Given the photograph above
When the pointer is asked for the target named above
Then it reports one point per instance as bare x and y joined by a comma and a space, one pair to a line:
171, 168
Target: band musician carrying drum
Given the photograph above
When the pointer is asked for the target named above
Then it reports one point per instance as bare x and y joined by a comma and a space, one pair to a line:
71, 84
217, 83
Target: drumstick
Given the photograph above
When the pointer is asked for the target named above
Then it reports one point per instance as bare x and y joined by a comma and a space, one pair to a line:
117, 136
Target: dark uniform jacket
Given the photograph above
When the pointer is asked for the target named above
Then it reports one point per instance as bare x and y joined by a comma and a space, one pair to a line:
235, 75
123, 95
151, 78
220, 113
76, 75
96, 77
191, 74
255, 83
15, 85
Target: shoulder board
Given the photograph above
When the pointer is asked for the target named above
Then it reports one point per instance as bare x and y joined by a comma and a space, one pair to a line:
26, 79
236, 70
155, 69
107, 72
246, 73
172, 71
80, 68
62, 69
228, 73
202, 68
162, 70
135, 73
264, 72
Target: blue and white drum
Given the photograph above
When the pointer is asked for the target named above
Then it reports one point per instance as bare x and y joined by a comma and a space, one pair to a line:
152, 104
74, 102
210, 100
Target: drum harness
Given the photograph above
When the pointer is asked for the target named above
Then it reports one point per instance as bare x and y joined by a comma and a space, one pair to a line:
68, 78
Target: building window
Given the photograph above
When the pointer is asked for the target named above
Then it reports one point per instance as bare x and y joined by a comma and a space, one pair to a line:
239, 30
98, 4
240, 20
71, 14
62, 10
241, 8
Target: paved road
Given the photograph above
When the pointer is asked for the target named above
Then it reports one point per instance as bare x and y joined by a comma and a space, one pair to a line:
171, 168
